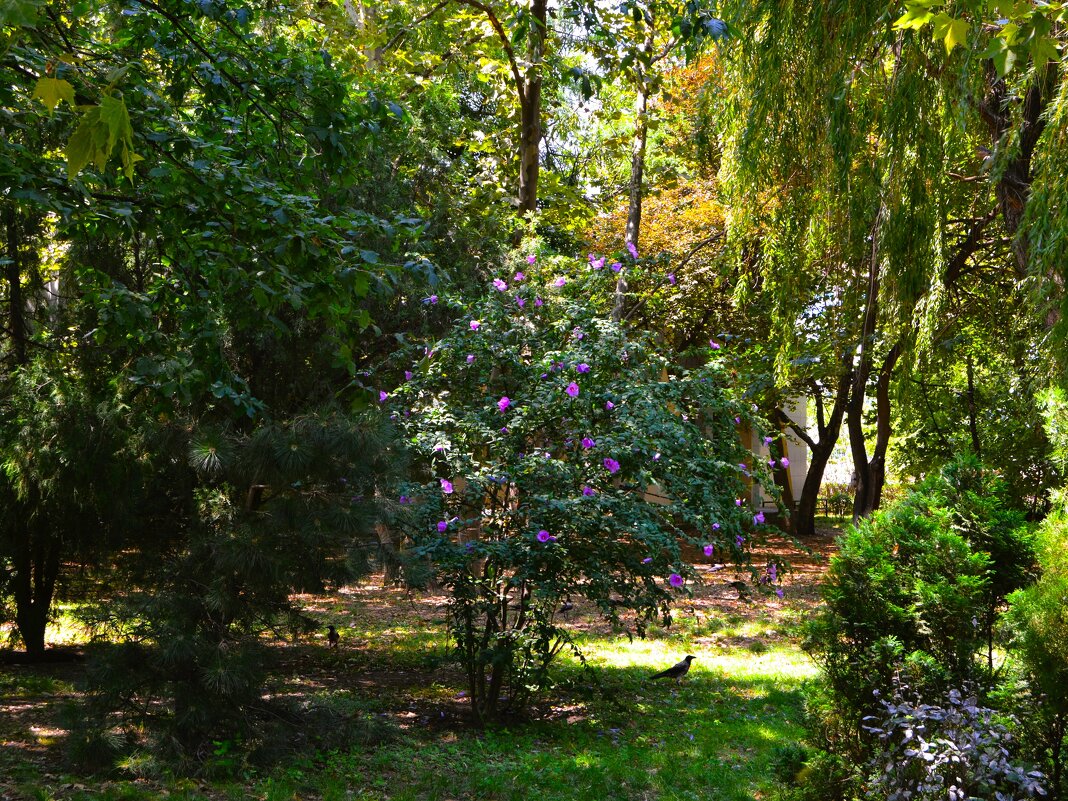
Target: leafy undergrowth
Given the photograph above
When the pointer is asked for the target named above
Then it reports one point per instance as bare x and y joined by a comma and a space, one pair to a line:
603, 734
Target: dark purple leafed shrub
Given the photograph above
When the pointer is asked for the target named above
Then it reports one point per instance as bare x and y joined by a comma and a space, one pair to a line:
956, 750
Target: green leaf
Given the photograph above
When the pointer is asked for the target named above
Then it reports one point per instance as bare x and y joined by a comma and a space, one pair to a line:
51, 90
80, 147
369, 256
951, 31
914, 18
1044, 49
19, 13
1002, 56
113, 114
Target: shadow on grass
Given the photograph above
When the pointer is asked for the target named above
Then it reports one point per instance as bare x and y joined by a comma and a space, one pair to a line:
711, 738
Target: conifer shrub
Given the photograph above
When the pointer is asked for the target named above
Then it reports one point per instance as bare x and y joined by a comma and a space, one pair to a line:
284, 507
914, 595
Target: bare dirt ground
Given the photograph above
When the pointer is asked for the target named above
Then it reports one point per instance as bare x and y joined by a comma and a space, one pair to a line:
393, 651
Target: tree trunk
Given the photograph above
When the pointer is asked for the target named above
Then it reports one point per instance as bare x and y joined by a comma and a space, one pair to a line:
13, 273
871, 475
36, 568
637, 177
1013, 188
530, 112
973, 426
805, 517
819, 454
1056, 747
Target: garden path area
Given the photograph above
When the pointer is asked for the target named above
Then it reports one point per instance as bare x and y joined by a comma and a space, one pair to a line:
724, 733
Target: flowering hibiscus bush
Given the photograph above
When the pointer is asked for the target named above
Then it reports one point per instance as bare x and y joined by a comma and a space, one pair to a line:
564, 457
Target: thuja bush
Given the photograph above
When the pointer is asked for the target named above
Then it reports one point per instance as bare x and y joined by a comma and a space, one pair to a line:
565, 456
1038, 620
918, 587
954, 749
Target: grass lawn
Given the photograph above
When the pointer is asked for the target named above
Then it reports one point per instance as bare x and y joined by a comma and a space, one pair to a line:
603, 735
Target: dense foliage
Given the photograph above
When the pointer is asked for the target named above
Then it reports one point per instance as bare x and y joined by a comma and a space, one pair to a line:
263, 328
565, 457
915, 595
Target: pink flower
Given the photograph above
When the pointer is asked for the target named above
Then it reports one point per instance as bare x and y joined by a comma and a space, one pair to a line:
443, 526
543, 536
656, 457
499, 285
715, 526
737, 421
713, 344
784, 462
519, 277
531, 258
767, 440
431, 299
758, 518
616, 266
382, 396
596, 264
504, 429
738, 540
407, 375
611, 465
519, 301
771, 463
504, 403
737, 501
475, 324
609, 405
778, 591
446, 486
709, 550
572, 389
647, 560
671, 278
560, 281
633, 251
588, 491
587, 442
675, 580
470, 358
538, 301
582, 367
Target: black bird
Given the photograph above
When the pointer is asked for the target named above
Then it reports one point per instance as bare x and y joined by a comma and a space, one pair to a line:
675, 672
743, 589
565, 609
332, 637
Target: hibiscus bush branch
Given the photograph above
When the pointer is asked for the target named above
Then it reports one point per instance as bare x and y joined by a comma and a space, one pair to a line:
565, 456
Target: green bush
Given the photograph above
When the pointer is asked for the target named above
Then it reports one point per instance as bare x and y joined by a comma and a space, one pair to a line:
1038, 616
915, 592
564, 456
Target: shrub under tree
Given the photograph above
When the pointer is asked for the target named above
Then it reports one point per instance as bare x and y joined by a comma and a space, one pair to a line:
565, 456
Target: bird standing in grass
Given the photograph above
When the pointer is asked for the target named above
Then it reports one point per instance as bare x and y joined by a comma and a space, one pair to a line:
675, 672
742, 588
565, 608
332, 637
